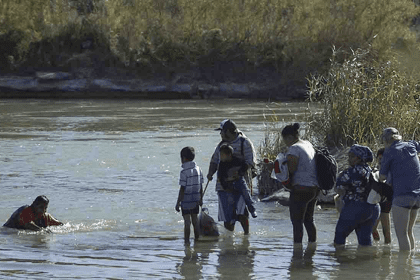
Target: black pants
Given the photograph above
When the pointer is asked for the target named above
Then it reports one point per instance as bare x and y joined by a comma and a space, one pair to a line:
302, 206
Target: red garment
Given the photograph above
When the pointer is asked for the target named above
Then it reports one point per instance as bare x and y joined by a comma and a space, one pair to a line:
45, 220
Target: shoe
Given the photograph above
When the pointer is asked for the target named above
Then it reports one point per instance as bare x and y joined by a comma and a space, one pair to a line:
254, 214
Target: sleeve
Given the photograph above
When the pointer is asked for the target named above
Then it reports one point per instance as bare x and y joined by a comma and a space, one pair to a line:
416, 145
385, 163
182, 179
216, 155
293, 151
343, 180
249, 152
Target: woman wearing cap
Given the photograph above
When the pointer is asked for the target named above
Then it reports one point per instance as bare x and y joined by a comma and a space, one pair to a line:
303, 190
357, 214
401, 161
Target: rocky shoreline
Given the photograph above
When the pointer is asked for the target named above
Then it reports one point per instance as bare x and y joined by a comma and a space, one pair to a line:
60, 85
67, 85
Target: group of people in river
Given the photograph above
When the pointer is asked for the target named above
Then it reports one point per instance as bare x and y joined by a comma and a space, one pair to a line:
234, 161
398, 167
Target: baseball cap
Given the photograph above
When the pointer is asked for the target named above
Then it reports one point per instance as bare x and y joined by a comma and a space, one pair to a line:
227, 124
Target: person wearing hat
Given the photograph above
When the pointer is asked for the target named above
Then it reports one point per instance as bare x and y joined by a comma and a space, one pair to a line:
357, 214
244, 150
401, 161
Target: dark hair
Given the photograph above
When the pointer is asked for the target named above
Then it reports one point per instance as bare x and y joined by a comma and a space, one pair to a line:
226, 149
380, 152
41, 199
291, 129
188, 153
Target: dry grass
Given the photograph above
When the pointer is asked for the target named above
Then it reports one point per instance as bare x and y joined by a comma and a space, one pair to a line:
293, 37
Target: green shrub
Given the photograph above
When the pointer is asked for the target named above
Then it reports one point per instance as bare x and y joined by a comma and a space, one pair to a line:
361, 97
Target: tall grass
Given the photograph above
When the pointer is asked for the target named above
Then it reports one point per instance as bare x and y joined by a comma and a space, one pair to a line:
361, 97
292, 36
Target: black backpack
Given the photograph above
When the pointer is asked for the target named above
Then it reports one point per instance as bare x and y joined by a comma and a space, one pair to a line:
326, 169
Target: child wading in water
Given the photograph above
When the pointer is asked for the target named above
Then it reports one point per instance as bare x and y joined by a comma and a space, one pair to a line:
231, 172
190, 196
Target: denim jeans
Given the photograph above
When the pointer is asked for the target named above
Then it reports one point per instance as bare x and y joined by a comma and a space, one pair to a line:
358, 216
240, 187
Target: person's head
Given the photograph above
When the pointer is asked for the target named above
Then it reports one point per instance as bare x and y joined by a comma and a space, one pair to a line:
379, 155
228, 130
40, 204
359, 154
389, 135
226, 152
187, 154
290, 133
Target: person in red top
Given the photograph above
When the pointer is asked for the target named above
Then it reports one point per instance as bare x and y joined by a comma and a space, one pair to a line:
33, 217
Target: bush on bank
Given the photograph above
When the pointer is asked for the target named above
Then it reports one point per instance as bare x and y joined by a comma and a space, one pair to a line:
359, 98
287, 36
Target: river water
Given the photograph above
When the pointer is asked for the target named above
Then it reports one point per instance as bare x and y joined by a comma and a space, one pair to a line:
110, 170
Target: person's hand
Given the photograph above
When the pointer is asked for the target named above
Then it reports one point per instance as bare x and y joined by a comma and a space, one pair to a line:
209, 177
177, 207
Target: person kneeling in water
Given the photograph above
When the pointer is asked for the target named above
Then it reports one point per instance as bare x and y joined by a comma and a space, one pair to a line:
33, 217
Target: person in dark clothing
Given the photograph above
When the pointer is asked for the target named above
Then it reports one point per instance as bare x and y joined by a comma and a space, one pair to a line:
33, 217
230, 174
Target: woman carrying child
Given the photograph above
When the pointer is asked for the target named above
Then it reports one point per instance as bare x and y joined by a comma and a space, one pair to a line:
357, 214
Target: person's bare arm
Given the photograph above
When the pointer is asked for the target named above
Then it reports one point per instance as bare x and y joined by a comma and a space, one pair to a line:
292, 163
180, 198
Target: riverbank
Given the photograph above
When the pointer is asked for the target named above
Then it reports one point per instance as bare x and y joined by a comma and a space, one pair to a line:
60, 85
103, 82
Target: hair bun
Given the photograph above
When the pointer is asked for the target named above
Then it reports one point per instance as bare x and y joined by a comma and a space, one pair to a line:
296, 126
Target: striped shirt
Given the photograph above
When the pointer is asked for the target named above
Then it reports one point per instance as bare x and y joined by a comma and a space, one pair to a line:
242, 149
191, 180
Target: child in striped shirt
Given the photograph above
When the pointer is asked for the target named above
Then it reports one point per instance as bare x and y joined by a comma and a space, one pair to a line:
190, 196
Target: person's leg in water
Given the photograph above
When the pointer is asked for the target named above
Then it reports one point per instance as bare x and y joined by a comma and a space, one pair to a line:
375, 233
411, 222
300, 197
386, 226
194, 219
187, 228
243, 219
308, 220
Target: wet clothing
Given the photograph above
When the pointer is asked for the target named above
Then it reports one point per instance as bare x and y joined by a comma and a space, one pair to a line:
191, 180
357, 214
25, 215
302, 207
